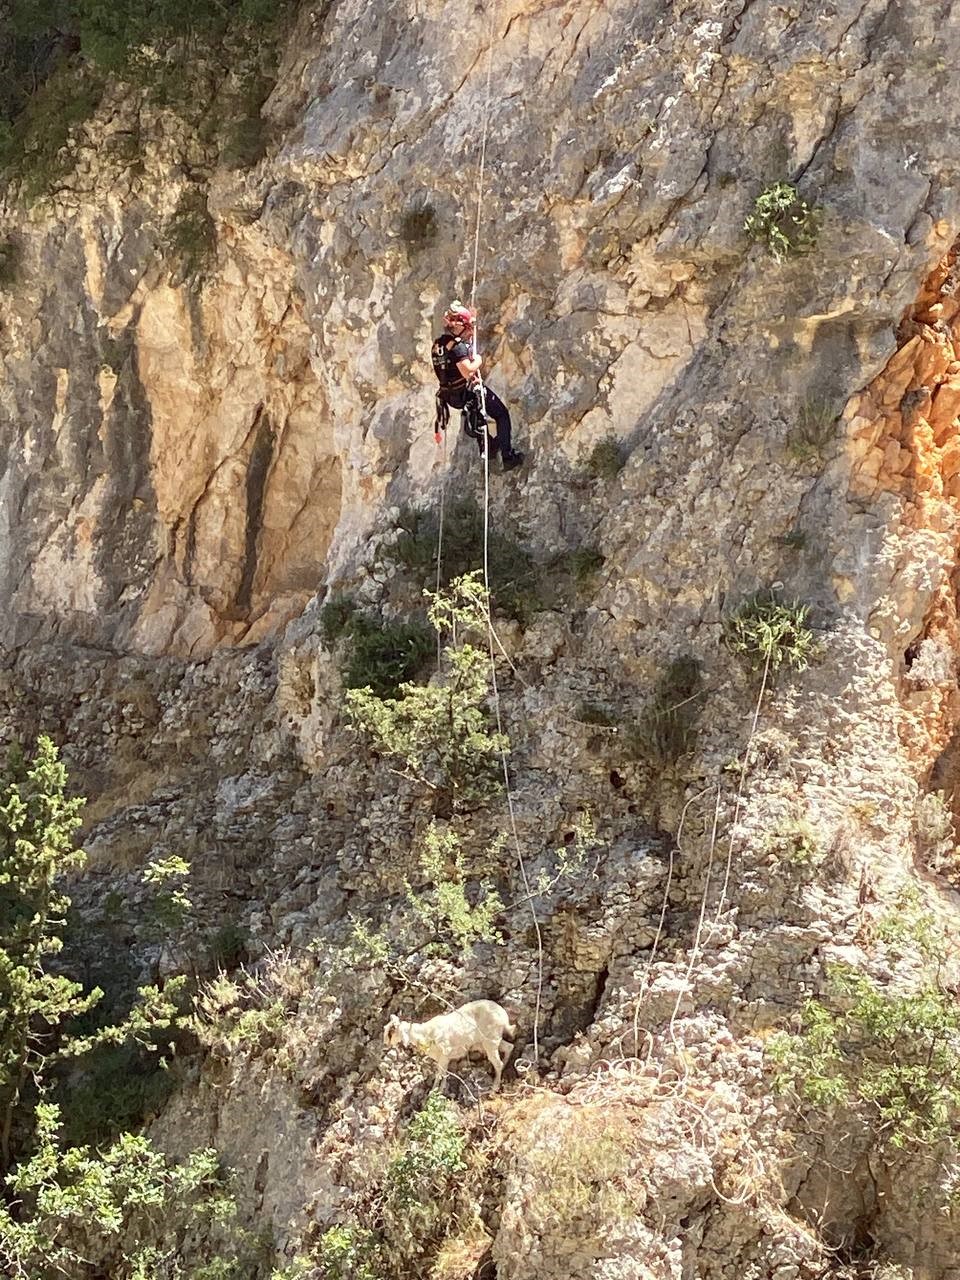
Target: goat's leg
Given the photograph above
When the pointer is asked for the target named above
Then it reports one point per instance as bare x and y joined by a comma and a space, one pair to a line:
494, 1057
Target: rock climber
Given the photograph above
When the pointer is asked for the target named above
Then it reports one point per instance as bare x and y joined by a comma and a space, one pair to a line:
458, 371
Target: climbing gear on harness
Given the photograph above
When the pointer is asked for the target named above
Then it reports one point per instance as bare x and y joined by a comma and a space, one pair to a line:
441, 418
473, 416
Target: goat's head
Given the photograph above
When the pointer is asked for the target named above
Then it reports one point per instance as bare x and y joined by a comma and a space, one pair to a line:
393, 1032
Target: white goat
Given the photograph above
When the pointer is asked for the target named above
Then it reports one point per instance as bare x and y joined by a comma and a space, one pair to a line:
481, 1024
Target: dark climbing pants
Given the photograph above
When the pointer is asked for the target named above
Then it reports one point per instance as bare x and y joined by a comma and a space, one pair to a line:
495, 409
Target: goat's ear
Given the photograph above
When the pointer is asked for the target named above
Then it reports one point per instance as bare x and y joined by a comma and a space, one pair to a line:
387, 1039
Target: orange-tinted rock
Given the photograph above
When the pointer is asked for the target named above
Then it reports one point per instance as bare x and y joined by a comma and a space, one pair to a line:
945, 408
950, 458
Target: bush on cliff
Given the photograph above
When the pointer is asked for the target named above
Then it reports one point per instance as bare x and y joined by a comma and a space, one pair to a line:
189, 54
78, 1210
769, 633
441, 733
517, 582
375, 653
893, 1052
782, 221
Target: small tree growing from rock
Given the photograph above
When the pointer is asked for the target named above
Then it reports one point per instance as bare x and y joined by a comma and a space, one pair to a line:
441, 734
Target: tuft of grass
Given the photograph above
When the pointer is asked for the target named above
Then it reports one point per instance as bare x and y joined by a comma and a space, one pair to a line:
419, 226
795, 843
783, 222
606, 459
935, 835
597, 714
795, 540
811, 437
769, 632
580, 1174
244, 142
666, 729
584, 563
227, 947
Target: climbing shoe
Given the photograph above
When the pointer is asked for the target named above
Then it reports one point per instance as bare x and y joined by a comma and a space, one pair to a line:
513, 459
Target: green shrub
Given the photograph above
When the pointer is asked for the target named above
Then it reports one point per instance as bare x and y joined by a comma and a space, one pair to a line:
910, 926
898, 1053
769, 633
420, 1174
58, 56
584, 563
190, 235
9, 263
811, 437
516, 581
39, 147
59, 1198
441, 733
570, 859
382, 656
795, 842
783, 221
121, 1087
127, 1212
412, 1208
348, 1252
606, 459
336, 616
443, 906
666, 729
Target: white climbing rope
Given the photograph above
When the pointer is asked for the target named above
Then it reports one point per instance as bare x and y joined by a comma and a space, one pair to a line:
443, 494
492, 638
480, 173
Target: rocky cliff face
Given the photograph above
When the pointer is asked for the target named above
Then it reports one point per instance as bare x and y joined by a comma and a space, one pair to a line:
188, 466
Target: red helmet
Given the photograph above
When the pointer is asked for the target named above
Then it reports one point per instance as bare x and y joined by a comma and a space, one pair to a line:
457, 312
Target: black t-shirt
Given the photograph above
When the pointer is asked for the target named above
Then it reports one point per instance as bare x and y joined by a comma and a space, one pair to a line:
445, 353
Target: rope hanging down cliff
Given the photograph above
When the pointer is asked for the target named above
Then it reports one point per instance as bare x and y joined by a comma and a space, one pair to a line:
459, 319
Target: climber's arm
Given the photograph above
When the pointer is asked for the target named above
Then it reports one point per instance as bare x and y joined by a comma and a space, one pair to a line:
470, 367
